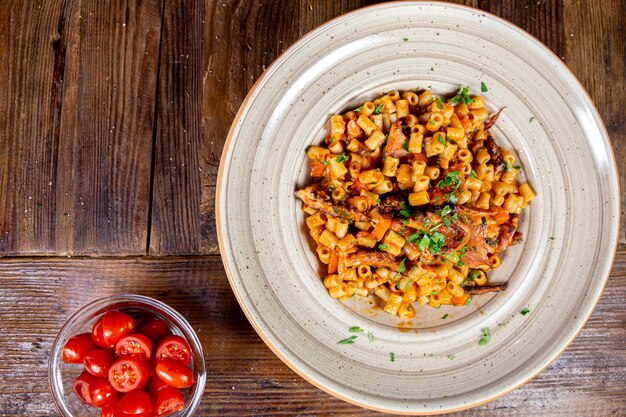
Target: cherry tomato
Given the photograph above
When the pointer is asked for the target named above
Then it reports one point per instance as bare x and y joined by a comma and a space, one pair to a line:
167, 401
174, 347
97, 335
101, 392
116, 325
81, 387
98, 362
174, 373
156, 330
136, 345
110, 410
77, 347
156, 384
135, 402
128, 373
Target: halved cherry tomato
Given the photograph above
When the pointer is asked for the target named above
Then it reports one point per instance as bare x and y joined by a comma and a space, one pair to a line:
81, 387
77, 347
174, 373
174, 347
116, 325
135, 402
167, 401
128, 373
98, 362
136, 345
156, 384
156, 330
101, 392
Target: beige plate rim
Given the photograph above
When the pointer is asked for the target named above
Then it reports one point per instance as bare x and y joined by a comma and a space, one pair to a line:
220, 236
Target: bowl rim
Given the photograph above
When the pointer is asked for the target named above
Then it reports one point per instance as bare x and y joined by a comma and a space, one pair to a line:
105, 302
220, 184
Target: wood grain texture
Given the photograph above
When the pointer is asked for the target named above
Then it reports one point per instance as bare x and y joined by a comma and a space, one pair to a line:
245, 378
76, 105
596, 53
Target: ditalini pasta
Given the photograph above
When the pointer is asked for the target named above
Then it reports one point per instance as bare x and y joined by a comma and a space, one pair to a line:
413, 201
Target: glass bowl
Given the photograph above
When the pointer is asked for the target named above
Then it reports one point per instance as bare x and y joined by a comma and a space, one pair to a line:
62, 375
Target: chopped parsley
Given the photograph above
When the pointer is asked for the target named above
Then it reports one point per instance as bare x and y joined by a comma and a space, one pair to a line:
519, 167
445, 316
451, 357
452, 197
382, 246
437, 240
450, 179
446, 210
446, 221
440, 103
509, 167
348, 341
432, 122
463, 96
442, 140
484, 339
355, 329
341, 158
473, 174
401, 268
358, 109
413, 237
405, 39
473, 274
468, 301
405, 210
483, 87
551, 237
531, 119
432, 69
370, 337
424, 243
525, 312
307, 148
392, 357
378, 109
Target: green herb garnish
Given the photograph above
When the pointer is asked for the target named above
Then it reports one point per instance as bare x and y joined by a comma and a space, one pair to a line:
382, 246
484, 339
401, 267
525, 312
446, 210
483, 87
445, 316
451, 357
413, 237
307, 148
348, 341
440, 103
405, 39
441, 140
424, 243
378, 109
355, 329
392, 357
341, 158
358, 109
405, 210
370, 337
509, 167
463, 95
531, 119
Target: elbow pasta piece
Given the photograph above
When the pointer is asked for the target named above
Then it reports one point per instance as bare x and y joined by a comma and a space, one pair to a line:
384, 209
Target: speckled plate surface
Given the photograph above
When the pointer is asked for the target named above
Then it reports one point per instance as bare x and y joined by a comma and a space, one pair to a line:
570, 229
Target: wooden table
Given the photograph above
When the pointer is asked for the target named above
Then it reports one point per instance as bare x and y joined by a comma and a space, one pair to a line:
112, 120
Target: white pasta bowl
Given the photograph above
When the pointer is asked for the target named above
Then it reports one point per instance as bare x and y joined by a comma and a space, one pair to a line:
570, 229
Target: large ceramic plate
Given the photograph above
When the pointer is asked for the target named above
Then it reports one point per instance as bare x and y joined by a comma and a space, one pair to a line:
570, 229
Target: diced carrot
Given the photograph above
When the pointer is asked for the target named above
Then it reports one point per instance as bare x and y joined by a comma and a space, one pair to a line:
317, 169
460, 301
500, 216
381, 228
334, 262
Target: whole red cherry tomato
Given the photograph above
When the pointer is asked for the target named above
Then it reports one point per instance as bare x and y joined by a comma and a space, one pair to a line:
98, 362
136, 345
77, 347
156, 384
110, 410
128, 373
81, 387
156, 330
174, 373
167, 401
174, 347
116, 325
135, 402
101, 392
97, 335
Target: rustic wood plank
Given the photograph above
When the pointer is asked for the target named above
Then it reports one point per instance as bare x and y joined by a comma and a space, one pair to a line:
246, 379
596, 53
77, 104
